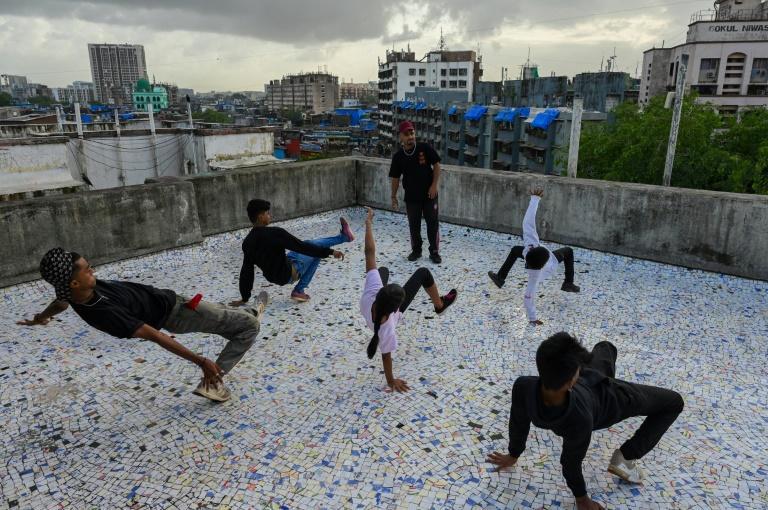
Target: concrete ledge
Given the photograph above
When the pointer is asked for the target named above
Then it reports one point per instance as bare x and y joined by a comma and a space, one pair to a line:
102, 225
721, 232
295, 189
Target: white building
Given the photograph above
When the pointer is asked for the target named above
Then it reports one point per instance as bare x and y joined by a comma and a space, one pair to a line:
400, 73
727, 52
82, 92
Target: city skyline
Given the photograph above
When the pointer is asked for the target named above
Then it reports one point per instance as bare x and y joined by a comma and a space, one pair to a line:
242, 48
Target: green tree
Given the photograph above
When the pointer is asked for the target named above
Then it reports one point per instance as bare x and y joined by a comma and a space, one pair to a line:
633, 146
41, 100
212, 116
5, 99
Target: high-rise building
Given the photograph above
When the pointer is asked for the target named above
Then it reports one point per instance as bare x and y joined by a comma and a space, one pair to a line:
307, 92
400, 73
14, 85
116, 68
726, 50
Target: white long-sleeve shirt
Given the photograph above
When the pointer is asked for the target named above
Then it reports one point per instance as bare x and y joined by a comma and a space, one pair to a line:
531, 240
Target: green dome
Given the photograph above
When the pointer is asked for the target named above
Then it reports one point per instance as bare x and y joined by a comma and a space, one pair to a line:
143, 85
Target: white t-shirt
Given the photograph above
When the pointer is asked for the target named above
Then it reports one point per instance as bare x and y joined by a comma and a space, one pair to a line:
387, 334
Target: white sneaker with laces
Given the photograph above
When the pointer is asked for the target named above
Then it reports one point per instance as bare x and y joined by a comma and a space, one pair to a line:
628, 470
216, 392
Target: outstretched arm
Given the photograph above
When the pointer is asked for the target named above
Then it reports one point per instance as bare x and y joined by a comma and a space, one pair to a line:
397, 385
211, 371
370, 244
55, 308
530, 236
519, 426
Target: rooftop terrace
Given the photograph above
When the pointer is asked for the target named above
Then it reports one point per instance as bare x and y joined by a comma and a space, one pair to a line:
93, 421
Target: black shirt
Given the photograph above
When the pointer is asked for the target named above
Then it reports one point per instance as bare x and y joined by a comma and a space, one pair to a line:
120, 308
593, 404
416, 171
265, 247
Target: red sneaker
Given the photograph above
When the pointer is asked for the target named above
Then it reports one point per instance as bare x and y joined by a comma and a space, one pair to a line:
448, 300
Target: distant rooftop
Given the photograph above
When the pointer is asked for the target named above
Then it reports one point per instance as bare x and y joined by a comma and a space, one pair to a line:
93, 421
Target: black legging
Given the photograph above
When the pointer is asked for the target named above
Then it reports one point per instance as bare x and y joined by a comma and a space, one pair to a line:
421, 278
563, 255
660, 406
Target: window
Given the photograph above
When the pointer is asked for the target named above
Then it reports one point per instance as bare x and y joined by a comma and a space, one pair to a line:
412, 71
454, 72
463, 71
671, 68
708, 70
413, 84
442, 84
759, 71
442, 72
452, 84
422, 72
462, 84
422, 83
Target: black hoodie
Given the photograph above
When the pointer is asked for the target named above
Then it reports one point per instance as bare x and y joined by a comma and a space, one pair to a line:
593, 404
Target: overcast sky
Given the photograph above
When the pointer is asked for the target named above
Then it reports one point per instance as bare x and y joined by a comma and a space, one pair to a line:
241, 44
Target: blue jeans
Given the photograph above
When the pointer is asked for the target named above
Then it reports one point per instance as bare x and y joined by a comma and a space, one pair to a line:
306, 265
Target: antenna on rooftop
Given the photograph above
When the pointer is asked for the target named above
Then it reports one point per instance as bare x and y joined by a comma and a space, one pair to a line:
612, 61
442, 40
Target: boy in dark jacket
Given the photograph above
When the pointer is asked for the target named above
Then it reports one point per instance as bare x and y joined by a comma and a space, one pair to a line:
576, 392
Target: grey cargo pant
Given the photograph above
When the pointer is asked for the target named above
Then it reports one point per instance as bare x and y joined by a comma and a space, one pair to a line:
238, 325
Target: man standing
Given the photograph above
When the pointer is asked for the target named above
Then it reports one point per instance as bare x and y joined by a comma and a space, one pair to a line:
419, 166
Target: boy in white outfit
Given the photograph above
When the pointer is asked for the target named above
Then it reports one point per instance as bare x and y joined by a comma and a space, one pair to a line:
539, 261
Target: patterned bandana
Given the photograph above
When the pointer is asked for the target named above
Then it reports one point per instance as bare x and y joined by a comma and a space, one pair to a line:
56, 268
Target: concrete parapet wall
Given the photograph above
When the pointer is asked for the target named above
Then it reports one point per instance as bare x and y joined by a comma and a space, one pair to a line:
295, 189
721, 232
101, 225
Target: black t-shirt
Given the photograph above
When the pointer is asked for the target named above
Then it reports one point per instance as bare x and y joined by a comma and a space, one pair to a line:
416, 171
265, 247
120, 308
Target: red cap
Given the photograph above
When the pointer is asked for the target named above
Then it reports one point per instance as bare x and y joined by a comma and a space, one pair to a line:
406, 125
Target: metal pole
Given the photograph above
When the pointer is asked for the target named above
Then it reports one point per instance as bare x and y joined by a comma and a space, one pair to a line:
78, 120
116, 113
154, 137
59, 121
573, 150
150, 111
676, 113
192, 133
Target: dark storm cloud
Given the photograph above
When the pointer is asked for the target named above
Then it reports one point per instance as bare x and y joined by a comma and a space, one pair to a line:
303, 22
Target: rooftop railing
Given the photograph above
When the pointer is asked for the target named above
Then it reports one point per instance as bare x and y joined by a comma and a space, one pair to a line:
760, 14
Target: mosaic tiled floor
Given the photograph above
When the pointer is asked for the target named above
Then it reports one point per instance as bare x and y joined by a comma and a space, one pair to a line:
90, 421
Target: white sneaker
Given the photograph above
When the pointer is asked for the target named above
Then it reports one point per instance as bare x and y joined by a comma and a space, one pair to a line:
262, 300
216, 392
628, 470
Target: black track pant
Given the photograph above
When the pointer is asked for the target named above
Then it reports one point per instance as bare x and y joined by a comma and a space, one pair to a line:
415, 211
661, 406
421, 278
563, 255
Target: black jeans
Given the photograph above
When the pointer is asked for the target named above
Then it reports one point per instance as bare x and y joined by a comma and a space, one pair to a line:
421, 278
563, 255
415, 211
661, 406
